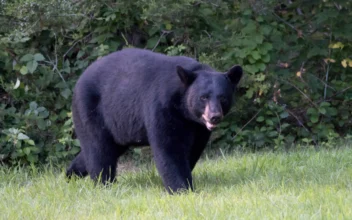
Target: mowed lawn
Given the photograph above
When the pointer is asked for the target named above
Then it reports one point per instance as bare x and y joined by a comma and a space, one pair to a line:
304, 184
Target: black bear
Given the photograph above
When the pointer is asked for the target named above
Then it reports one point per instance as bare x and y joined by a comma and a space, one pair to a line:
136, 97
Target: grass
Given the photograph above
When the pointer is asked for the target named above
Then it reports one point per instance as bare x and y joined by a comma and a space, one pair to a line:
297, 185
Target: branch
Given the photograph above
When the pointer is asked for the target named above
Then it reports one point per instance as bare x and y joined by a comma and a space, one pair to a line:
76, 42
247, 123
300, 123
165, 33
54, 64
327, 70
11, 53
305, 95
290, 25
207, 33
323, 82
336, 94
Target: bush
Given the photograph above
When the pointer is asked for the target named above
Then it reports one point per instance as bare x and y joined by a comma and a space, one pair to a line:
296, 57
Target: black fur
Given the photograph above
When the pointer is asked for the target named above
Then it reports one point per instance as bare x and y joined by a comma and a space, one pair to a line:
137, 97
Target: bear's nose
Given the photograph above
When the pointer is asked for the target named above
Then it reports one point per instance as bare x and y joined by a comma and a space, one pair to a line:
215, 119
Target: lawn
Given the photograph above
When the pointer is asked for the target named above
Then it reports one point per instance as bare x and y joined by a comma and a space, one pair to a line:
304, 184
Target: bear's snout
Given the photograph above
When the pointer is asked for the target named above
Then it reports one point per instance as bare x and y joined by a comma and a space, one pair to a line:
212, 116
215, 118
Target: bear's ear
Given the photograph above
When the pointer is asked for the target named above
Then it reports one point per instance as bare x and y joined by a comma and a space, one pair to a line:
234, 74
187, 77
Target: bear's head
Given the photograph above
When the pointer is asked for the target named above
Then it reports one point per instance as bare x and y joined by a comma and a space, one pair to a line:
209, 95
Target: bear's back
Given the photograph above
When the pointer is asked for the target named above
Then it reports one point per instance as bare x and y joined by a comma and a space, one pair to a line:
135, 72
132, 61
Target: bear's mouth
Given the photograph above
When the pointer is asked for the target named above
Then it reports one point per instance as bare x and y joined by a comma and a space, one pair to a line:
210, 126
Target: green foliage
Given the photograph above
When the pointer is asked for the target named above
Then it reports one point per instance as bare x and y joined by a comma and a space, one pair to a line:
296, 57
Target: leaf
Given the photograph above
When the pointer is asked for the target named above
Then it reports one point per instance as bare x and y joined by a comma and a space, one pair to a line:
26, 58
80, 54
329, 60
94, 40
316, 51
27, 150
33, 106
267, 46
312, 111
32, 158
344, 63
41, 109
43, 114
66, 93
24, 70
260, 77
265, 29
67, 68
247, 12
306, 140
76, 142
324, 104
100, 29
251, 60
241, 54
285, 125
259, 39
272, 134
322, 110
269, 122
250, 68
30, 142
152, 42
38, 57
266, 58
249, 29
18, 83
255, 55
260, 119
168, 26
25, 39
22, 136
332, 111
284, 115
32, 66
249, 93
336, 45
260, 66
153, 30
314, 118
41, 124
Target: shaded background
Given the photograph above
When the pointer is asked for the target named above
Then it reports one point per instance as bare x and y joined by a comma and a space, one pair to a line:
297, 58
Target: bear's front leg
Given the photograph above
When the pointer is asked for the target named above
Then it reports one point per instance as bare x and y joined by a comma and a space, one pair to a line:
172, 166
171, 150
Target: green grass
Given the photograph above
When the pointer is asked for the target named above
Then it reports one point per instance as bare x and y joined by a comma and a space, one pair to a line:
296, 185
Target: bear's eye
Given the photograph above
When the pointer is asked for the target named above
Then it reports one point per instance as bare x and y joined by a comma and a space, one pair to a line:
222, 99
204, 97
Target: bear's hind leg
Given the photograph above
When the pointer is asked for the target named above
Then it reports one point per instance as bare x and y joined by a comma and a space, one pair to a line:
101, 157
99, 149
77, 167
